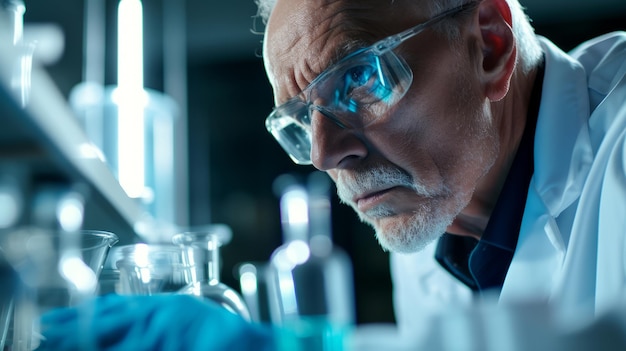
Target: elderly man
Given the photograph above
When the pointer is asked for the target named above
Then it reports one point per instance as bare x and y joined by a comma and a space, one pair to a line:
487, 160
452, 117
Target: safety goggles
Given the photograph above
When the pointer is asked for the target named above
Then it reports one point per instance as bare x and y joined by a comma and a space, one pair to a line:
352, 93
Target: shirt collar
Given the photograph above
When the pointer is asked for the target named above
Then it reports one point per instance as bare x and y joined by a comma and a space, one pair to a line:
483, 264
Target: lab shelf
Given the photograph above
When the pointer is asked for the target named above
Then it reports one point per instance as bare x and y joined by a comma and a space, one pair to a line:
41, 138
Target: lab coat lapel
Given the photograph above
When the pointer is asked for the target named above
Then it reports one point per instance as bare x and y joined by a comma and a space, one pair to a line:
582, 273
593, 278
611, 270
562, 151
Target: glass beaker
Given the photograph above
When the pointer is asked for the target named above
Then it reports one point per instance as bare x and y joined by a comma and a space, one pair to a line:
202, 246
152, 269
49, 277
37, 255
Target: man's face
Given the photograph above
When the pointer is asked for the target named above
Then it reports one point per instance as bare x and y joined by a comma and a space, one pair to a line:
415, 168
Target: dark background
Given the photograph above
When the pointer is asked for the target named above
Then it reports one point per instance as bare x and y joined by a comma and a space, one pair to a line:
232, 159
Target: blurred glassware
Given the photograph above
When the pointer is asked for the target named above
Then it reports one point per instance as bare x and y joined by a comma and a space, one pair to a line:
38, 255
54, 270
201, 251
309, 278
152, 269
22, 68
253, 285
6, 311
109, 281
12, 20
151, 176
8, 281
21, 52
95, 246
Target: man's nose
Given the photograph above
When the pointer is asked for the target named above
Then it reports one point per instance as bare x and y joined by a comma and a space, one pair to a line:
332, 145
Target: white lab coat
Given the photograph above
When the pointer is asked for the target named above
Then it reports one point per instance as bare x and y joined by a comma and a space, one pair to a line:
571, 251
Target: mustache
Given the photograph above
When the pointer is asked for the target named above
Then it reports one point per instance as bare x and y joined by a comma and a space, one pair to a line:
361, 182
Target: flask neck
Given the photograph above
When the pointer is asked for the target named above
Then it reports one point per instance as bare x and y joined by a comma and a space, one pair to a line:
207, 260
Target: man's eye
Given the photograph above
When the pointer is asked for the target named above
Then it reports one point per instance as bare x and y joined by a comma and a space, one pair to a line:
359, 78
362, 86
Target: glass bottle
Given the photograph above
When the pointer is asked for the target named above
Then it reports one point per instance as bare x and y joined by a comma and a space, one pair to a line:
310, 279
202, 246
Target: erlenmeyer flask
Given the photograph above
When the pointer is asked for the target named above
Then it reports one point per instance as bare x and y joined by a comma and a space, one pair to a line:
202, 247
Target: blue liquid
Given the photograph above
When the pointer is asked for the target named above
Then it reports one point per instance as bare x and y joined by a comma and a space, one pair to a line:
313, 333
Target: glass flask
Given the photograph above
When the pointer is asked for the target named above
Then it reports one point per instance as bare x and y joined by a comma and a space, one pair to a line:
310, 285
201, 251
151, 269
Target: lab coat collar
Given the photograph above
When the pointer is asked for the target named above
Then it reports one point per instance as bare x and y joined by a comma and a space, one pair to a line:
566, 155
563, 156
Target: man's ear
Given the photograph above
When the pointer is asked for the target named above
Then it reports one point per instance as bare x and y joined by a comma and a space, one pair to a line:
498, 47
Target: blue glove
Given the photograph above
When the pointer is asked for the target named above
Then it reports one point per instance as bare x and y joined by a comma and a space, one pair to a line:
159, 322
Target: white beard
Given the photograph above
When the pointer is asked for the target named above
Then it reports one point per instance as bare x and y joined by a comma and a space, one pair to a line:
404, 233
411, 234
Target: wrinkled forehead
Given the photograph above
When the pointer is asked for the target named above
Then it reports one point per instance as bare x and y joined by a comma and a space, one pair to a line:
304, 37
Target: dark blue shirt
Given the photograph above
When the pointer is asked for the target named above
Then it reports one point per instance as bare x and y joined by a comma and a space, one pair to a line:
483, 264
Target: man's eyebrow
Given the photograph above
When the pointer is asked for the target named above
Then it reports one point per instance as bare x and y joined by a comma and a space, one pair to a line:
346, 49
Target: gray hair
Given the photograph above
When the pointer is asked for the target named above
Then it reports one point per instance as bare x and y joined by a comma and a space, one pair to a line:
529, 50
265, 8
